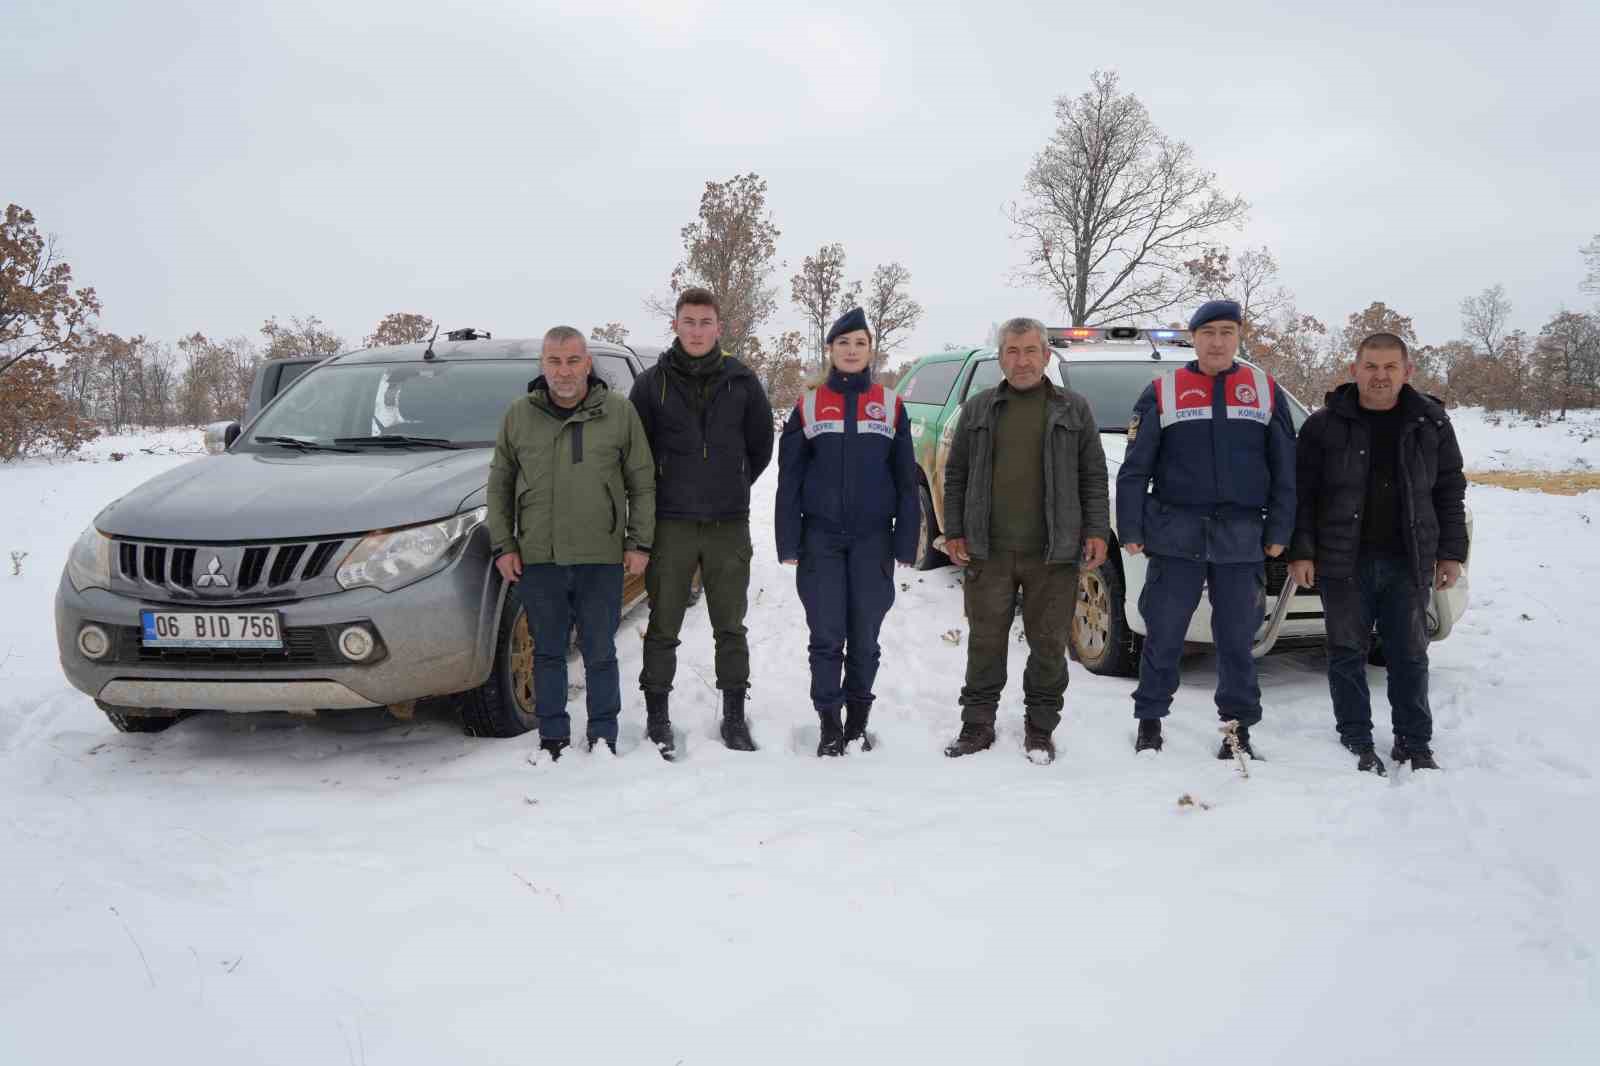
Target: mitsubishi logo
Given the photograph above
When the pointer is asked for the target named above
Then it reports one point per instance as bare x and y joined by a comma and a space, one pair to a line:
213, 577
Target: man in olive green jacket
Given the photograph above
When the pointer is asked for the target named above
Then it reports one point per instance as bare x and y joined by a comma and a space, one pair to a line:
571, 506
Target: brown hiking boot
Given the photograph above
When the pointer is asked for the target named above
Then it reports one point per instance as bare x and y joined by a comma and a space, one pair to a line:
1038, 746
975, 737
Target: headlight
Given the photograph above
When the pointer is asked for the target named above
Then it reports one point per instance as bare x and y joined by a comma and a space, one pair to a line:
89, 563
395, 559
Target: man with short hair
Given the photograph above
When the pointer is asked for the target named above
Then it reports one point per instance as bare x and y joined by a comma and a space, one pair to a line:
1216, 440
571, 506
1380, 524
710, 429
1025, 502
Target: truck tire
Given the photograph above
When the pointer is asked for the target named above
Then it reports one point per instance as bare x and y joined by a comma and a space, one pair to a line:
503, 705
1101, 639
928, 557
132, 720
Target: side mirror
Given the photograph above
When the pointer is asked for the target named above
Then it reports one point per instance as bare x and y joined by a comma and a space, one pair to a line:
220, 436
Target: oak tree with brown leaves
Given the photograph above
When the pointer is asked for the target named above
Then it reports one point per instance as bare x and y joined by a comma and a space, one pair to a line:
401, 327
302, 337
40, 312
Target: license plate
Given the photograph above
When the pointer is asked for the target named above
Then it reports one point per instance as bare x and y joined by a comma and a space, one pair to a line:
211, 629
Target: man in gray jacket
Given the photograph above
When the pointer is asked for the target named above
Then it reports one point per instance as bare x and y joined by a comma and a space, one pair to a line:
1025, 503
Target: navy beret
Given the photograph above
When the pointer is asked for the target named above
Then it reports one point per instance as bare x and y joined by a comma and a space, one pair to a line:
849, 322
1216, 311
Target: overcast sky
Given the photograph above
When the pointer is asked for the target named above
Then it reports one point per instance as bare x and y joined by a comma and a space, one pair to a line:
512, 165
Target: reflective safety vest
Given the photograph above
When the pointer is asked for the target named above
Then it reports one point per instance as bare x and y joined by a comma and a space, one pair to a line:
822, 411
1183, 395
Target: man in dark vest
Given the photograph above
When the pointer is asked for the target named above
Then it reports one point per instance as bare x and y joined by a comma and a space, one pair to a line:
711, 432
1381, 523
1216, 440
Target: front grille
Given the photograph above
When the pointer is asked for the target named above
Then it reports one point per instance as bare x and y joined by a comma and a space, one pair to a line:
172, 571
302, 646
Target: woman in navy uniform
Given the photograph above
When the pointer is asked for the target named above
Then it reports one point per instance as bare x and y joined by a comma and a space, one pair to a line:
847, 510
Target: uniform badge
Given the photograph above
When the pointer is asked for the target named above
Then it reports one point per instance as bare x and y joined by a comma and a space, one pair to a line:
876, 411
1246, 394
1133, 428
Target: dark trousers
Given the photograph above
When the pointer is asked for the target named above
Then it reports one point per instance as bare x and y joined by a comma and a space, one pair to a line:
556, 598
721, 551
1171, 592
847, 585
1382, 591
1049, 596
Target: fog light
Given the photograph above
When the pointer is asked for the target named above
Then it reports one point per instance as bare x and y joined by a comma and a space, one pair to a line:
94, 642
356, 643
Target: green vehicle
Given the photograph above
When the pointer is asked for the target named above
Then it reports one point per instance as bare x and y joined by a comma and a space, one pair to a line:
933, 391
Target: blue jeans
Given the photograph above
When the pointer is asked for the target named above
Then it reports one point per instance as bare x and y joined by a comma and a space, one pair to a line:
1238, 604
587, 595
1382, 591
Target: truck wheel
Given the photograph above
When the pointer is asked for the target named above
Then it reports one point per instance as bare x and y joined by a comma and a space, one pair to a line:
503, 705
928, 557
1101, 639
131, 720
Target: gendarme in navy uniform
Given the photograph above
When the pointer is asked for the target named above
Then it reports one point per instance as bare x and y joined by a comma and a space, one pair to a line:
1206, 490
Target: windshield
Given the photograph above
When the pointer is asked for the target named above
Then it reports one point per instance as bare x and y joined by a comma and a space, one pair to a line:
459, 402
1113, 388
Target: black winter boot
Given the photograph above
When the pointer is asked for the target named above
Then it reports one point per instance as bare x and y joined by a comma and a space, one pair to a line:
1037, 745
1367, 760
555, 747
832, 742
610, 744
735, 730
1149, 738
658, 726
1420, 756
974, 738
1242, 736
855, 724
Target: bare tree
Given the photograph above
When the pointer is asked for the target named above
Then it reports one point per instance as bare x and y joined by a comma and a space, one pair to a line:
780, 367
730, 249
817, 290
401, 327
1379, 317
1251, 280
1567, 359
1484, 318
890, 309
1293, 348
40, 312
1113, 208
613, 332
1591, 259
301, 337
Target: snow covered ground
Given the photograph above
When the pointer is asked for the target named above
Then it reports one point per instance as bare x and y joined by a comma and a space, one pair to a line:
253, 891
1504, 440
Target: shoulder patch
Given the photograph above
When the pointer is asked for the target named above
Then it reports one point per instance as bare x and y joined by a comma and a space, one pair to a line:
1133, 428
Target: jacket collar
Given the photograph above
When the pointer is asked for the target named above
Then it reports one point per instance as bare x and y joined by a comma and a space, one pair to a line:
841, 382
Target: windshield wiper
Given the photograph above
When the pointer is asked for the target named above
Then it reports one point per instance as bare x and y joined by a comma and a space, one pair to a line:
401, 440
304, 445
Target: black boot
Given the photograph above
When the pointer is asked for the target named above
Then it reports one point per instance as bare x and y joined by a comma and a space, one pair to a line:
555, 747
855, 724
1149, 738
1420, 756
1367, 760
611, 745
975, 737
1037, 745
735, 730
658, 727
832, 742
1241, 736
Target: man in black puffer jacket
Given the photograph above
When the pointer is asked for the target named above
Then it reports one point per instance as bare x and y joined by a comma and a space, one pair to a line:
710, 429
1380, 523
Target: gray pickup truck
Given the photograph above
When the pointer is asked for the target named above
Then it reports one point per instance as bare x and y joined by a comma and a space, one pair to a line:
333, 554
